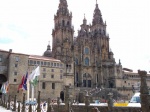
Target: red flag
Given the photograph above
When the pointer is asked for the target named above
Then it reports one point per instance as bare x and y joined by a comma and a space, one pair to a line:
22, 81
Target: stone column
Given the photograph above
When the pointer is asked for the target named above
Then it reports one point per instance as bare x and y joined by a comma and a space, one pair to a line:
87, 101
110, 102
145, 104
67, 98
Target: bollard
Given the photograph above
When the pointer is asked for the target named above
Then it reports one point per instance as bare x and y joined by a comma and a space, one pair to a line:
18, 106
52, 110
58, 102
0, 102
39, 101
14, 106
30, 108
23, 103
4, 101
8, 107
48, 105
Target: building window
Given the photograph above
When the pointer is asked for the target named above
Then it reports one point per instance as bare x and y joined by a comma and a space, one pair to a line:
0, 58
44, 69
84, 83
41, 63
86, 61
61, 71
76, 61
51, 64
63, 23
17, 58
97, 78
31, 62
61, 65
55, 64
44, 75
52, 76
52, 70
15, 80
45, 63
34, 62
86, 50
48, 63
15, 73
38, 62
61, 76
43, 85
53, 85
89, 83
16, 65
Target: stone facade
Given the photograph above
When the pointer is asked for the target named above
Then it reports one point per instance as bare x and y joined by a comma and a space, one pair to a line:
51, 79
88, 55
87, 61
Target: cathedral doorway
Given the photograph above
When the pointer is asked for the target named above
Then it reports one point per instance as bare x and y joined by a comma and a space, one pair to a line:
62, 95
87, 80
111, 85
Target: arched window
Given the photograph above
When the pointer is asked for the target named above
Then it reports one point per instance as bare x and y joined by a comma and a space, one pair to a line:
100, 31
104, 32
86, 50
86, 61
76, 61
63, 23
68, 23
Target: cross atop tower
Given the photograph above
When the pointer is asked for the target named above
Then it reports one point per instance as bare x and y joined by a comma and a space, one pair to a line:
96, 1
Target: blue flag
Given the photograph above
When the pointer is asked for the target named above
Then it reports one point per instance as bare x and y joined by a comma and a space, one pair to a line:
24, 86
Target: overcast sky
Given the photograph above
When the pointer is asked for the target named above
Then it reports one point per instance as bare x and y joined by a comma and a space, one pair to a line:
26, 26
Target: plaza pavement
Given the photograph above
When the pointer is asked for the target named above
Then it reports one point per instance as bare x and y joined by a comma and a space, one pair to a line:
4, 110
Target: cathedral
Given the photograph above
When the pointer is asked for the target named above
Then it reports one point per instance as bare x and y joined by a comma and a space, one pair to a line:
88, 58
84, 62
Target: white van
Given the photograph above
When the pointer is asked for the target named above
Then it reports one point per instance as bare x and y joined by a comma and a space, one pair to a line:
135, 100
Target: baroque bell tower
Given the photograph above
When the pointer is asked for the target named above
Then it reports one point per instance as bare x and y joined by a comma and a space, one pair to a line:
63, 38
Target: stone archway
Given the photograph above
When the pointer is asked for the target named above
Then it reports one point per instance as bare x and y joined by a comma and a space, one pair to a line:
2, 80
62, 95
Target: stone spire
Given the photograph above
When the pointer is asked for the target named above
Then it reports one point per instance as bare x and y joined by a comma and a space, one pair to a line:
63, 4
63, 7
84, 20
97, 17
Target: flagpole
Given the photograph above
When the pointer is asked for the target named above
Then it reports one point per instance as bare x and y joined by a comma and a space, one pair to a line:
28, 90
32, 93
